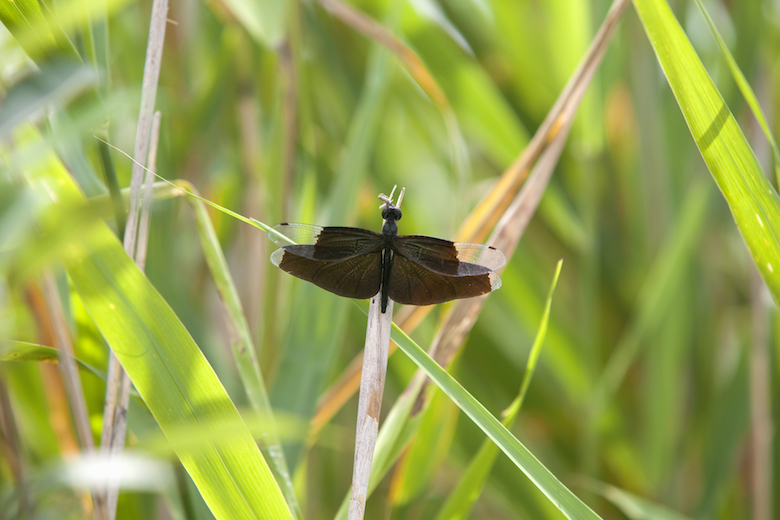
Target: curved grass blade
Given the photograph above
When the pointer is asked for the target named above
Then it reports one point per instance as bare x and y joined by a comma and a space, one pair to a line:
166, 366
24, 351
243, 348
754, 203
559, 495
744, 87
566, 501
467, 491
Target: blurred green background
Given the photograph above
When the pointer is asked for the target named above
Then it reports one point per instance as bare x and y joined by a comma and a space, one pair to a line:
282, 112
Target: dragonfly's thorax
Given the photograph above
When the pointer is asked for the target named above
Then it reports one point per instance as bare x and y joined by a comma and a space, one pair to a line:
391, 214
390, 230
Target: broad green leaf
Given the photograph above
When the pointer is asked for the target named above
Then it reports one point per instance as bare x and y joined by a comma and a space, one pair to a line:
754, 203
243, 349
164, 363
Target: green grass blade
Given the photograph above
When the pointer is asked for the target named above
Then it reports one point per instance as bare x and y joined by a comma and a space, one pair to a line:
754, 203
41, 36
24, 351
467, 491
744, 87
243, 348
166, 366
560, 495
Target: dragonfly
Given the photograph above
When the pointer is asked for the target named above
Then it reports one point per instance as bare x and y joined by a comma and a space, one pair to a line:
409, 269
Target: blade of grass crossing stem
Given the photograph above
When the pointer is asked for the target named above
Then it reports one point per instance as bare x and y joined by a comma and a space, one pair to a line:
243, 348
744, 87
167, 367
556, 492
754, 203
462, 498
392, 439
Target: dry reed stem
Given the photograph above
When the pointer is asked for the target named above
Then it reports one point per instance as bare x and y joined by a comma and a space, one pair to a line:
372, 386
118, 384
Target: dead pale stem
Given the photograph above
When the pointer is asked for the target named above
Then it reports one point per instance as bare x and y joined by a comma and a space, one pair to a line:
146, 200
496, 202
118, 384
342, 391
372, 386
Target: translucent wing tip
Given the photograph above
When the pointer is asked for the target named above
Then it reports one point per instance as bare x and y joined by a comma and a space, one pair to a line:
276, 257
495, 281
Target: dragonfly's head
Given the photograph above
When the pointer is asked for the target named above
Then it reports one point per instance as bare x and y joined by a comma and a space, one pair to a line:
391, 213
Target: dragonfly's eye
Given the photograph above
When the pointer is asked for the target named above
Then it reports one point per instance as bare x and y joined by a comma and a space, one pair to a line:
391, 213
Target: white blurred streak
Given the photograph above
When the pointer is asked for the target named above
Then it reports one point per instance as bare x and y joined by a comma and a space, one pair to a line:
133, 472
